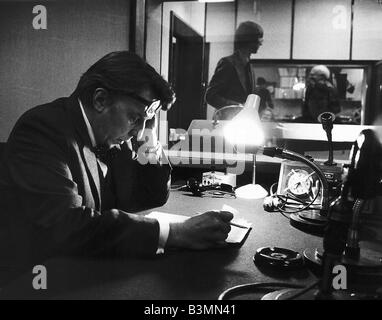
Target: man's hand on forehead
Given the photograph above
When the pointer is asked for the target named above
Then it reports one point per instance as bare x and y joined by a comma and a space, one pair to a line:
149, 136
151, 124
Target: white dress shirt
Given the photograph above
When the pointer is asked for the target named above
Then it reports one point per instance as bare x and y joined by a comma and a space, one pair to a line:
164, 226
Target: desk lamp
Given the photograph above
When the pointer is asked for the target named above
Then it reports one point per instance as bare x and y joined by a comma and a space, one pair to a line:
245, 130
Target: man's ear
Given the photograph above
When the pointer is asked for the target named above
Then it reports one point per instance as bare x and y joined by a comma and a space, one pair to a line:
101, 99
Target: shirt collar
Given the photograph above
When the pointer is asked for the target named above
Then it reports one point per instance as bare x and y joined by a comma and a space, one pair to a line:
88, 126
243, 57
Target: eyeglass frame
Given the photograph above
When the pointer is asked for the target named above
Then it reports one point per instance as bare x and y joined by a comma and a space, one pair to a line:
151, 107
154, 104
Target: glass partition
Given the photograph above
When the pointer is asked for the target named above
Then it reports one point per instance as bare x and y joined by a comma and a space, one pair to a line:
287, 86
191, 41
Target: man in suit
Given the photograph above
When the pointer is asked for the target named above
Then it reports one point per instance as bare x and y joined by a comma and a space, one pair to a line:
320, 95
264, 94
233, 79
62, 192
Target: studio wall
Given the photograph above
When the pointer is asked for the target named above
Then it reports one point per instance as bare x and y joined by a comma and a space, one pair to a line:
38, 66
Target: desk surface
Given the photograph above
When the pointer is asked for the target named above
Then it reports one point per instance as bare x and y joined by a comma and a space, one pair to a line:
177, 274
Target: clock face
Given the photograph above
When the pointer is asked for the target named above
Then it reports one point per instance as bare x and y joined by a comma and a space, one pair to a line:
299, 182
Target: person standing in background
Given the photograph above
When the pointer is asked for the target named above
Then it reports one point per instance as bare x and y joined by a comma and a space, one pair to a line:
264, 94
233, 79
320, 95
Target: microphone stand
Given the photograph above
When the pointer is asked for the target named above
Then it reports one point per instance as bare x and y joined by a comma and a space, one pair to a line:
327, 119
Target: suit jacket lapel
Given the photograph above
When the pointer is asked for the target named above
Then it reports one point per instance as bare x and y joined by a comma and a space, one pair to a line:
241, 71
252, 80
88, 155
92, 166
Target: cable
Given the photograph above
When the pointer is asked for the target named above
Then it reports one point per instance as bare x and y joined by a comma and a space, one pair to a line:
249, 288
283, 214
294, 156
292, 197
220, 194
271, 189
284, 201
301, 292
285, 198
302, 209
178, 188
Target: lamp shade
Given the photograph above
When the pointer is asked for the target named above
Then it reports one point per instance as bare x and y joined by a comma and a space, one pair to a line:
245, 128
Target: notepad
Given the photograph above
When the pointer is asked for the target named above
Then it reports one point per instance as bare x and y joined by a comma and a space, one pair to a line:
236, 236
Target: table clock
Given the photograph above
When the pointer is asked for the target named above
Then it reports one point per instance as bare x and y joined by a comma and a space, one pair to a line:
299, 182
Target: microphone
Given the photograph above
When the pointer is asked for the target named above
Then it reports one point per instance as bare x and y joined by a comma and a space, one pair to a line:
327, 119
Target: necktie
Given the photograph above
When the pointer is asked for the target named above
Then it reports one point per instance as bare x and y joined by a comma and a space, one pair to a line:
107, 189
105, 154
104, 157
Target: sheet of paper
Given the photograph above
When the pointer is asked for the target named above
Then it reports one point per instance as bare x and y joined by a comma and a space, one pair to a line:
236, 216
236, 235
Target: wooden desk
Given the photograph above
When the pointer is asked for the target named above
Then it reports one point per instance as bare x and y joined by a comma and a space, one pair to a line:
175, 275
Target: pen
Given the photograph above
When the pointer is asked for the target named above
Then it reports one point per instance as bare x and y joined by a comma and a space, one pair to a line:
238, 225
232, 223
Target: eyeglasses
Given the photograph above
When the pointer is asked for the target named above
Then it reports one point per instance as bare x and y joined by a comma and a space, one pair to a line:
151, 107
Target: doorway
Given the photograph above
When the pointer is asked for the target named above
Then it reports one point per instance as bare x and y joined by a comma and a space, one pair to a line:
187, 74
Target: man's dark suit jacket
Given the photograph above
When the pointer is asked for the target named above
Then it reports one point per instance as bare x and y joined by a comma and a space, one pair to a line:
231, 83
51, 201
319, 98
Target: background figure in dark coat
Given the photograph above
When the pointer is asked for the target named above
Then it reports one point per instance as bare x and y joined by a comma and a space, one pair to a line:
320, 95
233, 79
264, 94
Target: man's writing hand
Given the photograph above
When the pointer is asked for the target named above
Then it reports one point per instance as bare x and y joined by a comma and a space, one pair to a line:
203, 231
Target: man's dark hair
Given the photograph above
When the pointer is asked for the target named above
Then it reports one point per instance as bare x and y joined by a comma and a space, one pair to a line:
123, 72
246, 33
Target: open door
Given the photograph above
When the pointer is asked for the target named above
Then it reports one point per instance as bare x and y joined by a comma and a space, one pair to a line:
186, 74
378, 90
